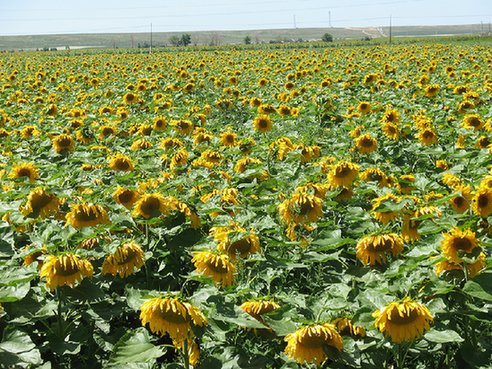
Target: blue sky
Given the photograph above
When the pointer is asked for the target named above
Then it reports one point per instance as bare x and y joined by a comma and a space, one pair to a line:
24, 17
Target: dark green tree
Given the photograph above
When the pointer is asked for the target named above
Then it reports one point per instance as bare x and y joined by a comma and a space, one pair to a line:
247, 40
327, 37
185, 39
174, 40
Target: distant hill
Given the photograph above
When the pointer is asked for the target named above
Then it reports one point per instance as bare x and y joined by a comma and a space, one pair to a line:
134, 40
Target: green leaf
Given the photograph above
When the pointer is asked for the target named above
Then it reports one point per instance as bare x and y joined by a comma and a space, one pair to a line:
14, 293
480, 287
17, 348
443, 336
135, 347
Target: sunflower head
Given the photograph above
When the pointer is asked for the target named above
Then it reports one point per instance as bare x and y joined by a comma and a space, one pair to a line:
86, 215
120, 162
22, 170
306, 344
65, 270
40, 204
216, 266
125, 259
366, 144
262, 123
372, 249
457, 240
403, 321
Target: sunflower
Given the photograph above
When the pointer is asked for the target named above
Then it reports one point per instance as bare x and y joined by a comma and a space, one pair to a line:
228, 139
306, 344
236, 241
405, 188
127, 257
364, 107
63, 143
427, 136
160, 123
384, 216
432, 90
483, 142
65, 270
183, 126
457, 240
403, 321
442, 164
391, 131
391, 116
257, 308
343, 174
107, 130
372, 249
246, 145
121, 163
301, 208
472, 121
126, 197
167, 143
154, 205
40, 204
86, 215
344, 326
22, 170
473, 268
216, 266
461, 203
262, 123
375, 175
141, 144
451, 180
131, 98
171, 316
366, 143
482, 202
180, 158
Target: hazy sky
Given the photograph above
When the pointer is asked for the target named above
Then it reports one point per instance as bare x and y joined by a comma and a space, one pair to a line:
22, 17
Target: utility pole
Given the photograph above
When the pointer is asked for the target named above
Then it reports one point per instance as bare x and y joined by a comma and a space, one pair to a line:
150, 38
390, 32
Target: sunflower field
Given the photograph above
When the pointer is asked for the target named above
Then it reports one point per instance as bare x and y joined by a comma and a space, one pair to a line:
247, 207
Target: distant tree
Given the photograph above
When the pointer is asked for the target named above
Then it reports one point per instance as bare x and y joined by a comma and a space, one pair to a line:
195, 39
367, 38
185, 39
327, 37
247, 40
174, 40
214, 38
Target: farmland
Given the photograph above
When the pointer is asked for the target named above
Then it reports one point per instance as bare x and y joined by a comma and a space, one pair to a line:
256, 206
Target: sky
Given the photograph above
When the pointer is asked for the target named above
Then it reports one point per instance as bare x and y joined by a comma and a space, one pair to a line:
35, 17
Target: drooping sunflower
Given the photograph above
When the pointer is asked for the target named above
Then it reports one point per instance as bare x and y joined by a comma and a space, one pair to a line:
141, 144
154, 205
28, 170
456, 240
372, 249
343, 174
86, 215
171, 316
183, 126
243, 242
375, 175
301, 208
482, 202
366, 143
473, 268
391, 130
65, 270
384, 216
40, 204
262, 123
472, 121
442, 164
63, 143
127, 257
126, 197
344, 327
121, 163
257, 308
306, 344
391, 116
432, 90
216, 266
180, 158
461, 203
403, 321
107, 130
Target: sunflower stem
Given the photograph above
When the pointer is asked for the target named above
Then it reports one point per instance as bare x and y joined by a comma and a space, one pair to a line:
61, 331
186, 355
